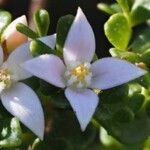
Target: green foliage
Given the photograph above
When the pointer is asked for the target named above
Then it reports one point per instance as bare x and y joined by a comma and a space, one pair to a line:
140, 11
118, 31
5, 19
141, 41
38, 48
62, 29
109, 9
65, 133
27, 31
129, 56
124, 5
42, 21
127, 129
12, 135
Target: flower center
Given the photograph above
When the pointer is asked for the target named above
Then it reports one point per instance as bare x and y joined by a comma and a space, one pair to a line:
79, 76
5, 79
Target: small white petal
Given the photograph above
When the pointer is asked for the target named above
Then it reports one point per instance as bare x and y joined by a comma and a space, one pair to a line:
18, 56
67, 73
2, 86
80, 85
1, 56
47, 67
111, 72
80, 42
72, 80
84, 104
21, 54
21, 101
49, 40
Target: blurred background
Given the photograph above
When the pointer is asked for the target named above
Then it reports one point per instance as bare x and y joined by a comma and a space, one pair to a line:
58, 8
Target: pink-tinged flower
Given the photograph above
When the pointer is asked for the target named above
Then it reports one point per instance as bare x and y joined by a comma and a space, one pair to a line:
11, 38
19, 99
77, 75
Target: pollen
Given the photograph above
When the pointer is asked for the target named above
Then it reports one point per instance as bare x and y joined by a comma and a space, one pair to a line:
79, 76
5, 79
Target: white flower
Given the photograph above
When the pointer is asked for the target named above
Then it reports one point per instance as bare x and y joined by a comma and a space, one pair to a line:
19, 99
78, 76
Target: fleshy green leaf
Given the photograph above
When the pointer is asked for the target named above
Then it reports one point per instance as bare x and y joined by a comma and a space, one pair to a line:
146, 57
129, 56
118, 31
108, 141
127, 131
109, 9
62, 30
38, 48
55, 95
42, 21
136, 101
13, 139
65, 133
140, 11
5, 19
141, 41
124, 5
26, 30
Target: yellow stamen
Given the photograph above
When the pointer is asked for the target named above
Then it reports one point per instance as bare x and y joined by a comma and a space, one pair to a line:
5, 78
80, 72
79, 76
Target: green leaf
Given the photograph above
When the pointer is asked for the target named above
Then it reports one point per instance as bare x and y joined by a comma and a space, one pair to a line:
118, 31
140, 11
35, 143
38, 48
147, 108
26, 30
33, 82
62, 30
108, 141
66, 126
129, 131
5, 19
54, 94
14, 138
109, 9
146, 57
124, 5
141, 41
129, 56
65, 133
42, 21
136, 101
123, 115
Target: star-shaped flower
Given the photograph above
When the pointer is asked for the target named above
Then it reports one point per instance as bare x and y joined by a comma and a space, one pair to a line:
19, 99
77, 75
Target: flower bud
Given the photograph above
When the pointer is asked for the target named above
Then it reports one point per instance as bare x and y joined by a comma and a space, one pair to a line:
11, 38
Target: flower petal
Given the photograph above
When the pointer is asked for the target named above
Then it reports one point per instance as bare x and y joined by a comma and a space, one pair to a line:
11, 38
1, 56
80, 42
47, 67
84, 104
20, 55
111, 72
49, 40
21, 101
